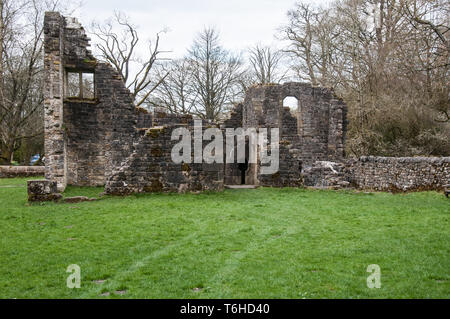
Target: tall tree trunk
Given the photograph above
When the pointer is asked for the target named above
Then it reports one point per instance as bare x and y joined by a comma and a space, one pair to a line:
2, 37
7, 154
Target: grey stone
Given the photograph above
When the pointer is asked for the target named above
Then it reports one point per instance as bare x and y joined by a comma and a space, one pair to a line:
107, 141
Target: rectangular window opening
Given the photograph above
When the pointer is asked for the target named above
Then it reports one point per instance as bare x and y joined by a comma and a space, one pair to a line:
73, 84
80, 85
88, 85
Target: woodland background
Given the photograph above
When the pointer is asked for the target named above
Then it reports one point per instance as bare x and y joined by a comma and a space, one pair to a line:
388, 60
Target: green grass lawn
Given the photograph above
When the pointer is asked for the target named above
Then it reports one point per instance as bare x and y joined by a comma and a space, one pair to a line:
264, 243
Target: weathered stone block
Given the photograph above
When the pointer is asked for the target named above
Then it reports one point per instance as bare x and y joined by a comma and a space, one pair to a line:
43, 190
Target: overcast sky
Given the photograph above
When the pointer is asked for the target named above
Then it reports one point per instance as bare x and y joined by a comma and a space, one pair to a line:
241, 23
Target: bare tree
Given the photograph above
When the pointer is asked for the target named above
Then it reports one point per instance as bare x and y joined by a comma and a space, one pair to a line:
215, 73
21, 66
299, 33
311, 31
118, 41
175, 93
389, 60
440, 28
265, 65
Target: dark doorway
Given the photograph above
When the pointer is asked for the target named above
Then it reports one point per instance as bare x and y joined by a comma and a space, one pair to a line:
243, 167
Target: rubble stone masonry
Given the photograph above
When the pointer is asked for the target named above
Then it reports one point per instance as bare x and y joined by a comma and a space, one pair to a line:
105, 139
21, 171
399, 173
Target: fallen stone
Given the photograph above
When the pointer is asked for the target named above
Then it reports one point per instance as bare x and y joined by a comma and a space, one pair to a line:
240, 186
76, 199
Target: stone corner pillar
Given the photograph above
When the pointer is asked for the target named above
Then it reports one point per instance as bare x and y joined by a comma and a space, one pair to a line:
55, 159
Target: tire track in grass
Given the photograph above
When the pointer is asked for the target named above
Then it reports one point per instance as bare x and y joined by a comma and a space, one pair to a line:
119, 277
113, 282
227, 270
271, 223
232, 264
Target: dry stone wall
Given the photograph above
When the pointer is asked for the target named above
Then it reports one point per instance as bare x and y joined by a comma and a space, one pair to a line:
21, 171
399, 173
393, 174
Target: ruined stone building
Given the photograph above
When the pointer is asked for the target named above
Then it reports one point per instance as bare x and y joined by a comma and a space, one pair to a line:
95, 136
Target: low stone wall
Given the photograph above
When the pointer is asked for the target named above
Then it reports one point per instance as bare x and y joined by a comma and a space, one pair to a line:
398, 174
43, 191
21, 171
325, 174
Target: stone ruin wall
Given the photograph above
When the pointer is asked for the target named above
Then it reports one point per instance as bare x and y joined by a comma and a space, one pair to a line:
150, 167
314, 131
84, 138
21, 171
108, 141
55, 168
99, 134
399, 174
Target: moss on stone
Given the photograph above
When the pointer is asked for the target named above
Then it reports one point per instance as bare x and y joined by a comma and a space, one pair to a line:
141, 110
90, 62
155, 187
185, 167
154, 132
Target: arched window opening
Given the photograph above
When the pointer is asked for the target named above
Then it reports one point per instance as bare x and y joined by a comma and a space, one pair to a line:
292, 103
295, 108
